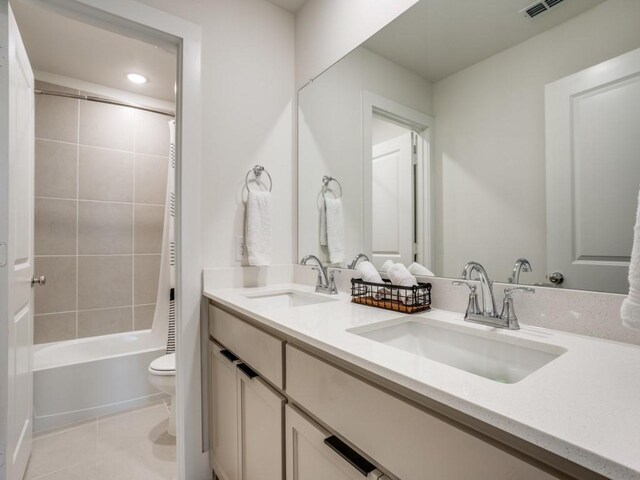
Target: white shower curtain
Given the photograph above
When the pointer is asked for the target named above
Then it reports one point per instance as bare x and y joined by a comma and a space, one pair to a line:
164, 318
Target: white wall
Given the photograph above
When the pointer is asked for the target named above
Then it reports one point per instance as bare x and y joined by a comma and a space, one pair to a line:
248, 101
330, 137
490, 144
326, 30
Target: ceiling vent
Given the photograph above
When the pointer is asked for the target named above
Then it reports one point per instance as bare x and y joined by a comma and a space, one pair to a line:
537, 8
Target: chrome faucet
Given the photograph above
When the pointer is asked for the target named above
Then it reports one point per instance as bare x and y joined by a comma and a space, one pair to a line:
486, 287
356, 260
521, 265
488, 316
326, 281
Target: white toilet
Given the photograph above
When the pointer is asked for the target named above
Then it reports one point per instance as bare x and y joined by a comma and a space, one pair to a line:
162, 375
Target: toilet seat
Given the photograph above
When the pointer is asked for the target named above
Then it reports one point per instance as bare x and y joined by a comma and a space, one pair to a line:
165, 365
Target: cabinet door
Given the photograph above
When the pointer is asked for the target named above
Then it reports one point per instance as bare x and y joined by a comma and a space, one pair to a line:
261, 423
224, 414
308, 457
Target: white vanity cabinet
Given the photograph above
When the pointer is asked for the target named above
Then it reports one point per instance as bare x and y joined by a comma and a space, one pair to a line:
308, 456
247, 418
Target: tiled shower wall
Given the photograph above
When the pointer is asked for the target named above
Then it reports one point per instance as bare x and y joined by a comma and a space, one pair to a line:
100, 185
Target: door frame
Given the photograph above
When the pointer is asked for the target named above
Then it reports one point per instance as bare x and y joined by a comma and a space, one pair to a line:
146, 23
422, 124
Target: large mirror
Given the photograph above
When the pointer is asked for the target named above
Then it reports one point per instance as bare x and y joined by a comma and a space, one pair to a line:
491, 131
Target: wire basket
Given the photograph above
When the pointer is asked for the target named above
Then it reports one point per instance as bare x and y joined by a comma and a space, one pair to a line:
414, 299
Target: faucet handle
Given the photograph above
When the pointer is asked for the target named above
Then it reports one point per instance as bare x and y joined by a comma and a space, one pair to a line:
509, 290
508, 313
473, 307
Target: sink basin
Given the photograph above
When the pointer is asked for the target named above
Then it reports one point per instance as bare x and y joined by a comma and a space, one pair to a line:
287, 299
506, 360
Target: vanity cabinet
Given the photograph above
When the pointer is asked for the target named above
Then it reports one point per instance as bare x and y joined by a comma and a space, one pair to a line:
309, 457
247, 417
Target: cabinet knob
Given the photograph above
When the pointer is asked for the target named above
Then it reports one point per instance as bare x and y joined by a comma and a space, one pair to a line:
41, 280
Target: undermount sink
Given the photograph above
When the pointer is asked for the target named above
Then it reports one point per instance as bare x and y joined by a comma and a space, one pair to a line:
506, 360
287, 299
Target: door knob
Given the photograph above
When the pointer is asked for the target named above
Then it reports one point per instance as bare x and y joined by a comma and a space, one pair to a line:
556, 278
41, 280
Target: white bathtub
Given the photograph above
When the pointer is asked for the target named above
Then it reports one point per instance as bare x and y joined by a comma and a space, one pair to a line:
80, 379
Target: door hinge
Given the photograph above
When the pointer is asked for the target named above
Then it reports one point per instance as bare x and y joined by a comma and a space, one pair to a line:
415, 248
3, 254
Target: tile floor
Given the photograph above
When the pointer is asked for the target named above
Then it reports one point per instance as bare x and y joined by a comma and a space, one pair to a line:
132, 445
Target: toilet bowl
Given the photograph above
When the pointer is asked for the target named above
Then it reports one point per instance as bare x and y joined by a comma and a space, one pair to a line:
162, 375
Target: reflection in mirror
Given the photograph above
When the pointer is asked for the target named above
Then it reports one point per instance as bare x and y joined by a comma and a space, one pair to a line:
468, 131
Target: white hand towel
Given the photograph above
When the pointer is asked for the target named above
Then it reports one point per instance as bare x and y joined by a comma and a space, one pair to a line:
386, 266
335, 229
258, 228
418, 269
630, 311
323, 223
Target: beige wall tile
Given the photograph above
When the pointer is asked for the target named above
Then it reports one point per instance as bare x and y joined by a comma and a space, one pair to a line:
54, 327
59, 293
151, 179
104, 125
143, 316
56, 118
146, 272
105, 174
55, 226
92, 323
148, 225
104, 281
152, 133
56, 166
105, 228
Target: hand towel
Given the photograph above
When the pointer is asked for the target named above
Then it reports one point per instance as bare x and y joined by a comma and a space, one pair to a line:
369, 274
630, 311
323, 223
335, 229
386, 266
258, 228
399, 275
418, 269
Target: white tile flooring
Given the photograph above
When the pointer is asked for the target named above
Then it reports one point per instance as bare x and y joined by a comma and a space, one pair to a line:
132, 445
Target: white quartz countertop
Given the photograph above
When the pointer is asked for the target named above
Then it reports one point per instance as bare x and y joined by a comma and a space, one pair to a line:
583, 405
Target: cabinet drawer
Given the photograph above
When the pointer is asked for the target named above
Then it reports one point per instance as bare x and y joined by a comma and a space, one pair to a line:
262, 351
400, 437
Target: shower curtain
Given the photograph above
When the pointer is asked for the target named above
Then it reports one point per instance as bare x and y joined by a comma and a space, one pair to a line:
164, 317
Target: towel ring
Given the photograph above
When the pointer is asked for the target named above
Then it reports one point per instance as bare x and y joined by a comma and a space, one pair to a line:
326, 180
257, 172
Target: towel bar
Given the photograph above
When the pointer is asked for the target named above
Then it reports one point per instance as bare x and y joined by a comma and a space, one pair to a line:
257, 172
326, 180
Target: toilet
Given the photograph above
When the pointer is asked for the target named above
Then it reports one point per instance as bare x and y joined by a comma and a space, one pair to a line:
162, 375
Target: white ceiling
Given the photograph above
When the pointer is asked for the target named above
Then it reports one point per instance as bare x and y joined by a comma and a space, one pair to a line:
436, 38
291, 5
63, 46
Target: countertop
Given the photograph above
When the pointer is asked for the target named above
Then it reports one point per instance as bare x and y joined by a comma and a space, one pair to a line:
583, 405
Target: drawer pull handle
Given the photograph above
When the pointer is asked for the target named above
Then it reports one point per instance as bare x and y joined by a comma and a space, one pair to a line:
228, 355
356, 460
247, 371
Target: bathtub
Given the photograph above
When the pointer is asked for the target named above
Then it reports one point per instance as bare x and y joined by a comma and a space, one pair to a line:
80, 379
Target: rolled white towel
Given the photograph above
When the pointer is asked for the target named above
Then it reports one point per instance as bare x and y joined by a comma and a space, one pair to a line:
399, 275
630, 311
386, 266
418, 269
370, 274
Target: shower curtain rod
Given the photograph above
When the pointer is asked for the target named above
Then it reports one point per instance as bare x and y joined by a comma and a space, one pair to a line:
91, 98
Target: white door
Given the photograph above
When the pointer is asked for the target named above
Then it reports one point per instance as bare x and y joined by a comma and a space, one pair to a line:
393, 204
16, 198
593, 173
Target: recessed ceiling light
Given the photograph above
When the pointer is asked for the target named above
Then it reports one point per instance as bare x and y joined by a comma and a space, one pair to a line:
137, 78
